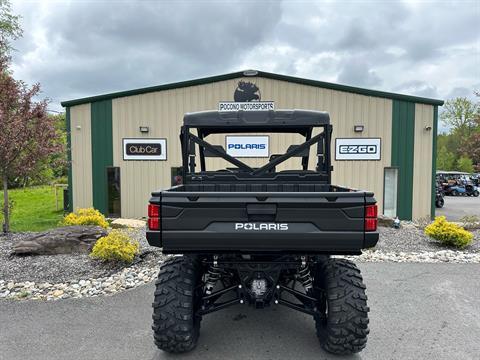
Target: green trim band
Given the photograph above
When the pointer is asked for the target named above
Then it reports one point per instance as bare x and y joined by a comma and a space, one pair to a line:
403, 140
240, 74
102, 152
69, 159
434, 159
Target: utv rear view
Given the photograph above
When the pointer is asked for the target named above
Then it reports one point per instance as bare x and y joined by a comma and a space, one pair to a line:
260, 236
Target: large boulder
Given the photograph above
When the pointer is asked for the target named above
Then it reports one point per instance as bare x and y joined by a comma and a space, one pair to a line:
385, 221
63, 240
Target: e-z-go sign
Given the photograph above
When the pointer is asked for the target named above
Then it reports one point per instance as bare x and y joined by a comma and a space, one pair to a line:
358, 149
144, 149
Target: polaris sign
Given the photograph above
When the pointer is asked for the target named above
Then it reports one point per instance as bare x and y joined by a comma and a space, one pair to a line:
247, 146
261, 227
358, 149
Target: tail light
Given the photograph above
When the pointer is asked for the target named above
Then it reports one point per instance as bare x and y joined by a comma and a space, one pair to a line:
371, 218
371, 211
153, 217
153, 210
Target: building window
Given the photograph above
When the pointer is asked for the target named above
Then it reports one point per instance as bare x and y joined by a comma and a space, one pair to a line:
113, 179
390, 186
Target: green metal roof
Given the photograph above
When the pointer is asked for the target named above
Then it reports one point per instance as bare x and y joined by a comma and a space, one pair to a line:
263, 74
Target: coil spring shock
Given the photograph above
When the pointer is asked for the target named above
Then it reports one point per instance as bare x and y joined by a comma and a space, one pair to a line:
304, 275
213, 275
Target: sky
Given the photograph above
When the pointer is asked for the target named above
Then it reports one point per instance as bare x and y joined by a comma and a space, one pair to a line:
83, 48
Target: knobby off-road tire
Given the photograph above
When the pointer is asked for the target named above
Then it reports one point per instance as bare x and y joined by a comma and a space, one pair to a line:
344, 329
176, 328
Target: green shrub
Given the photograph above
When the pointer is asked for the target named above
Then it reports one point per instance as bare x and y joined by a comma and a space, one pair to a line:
116, 246
449, 233
87, 216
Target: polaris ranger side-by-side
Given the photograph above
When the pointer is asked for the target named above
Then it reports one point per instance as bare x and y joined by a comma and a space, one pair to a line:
260, 236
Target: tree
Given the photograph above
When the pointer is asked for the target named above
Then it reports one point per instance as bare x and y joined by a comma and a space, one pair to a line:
471, 149
54, 167
9, 27
445, 159
27, 134
465, 164
461, 114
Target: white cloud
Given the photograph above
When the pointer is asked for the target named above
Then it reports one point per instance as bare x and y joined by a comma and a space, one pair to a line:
82, 48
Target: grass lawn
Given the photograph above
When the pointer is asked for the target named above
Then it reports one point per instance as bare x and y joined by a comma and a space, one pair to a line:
34, 208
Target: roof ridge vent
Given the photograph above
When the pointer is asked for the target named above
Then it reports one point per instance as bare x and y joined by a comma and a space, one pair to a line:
250, 73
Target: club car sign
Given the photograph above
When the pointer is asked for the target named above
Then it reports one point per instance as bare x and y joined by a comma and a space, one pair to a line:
247, 146
144, 149
358, 149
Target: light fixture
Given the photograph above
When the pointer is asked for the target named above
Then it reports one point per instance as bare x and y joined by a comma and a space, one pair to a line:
144, 129
428, 128
358, 128
79, 127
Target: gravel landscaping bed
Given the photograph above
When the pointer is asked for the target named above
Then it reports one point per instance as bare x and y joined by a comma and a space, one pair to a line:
412, 239
71, 276
445, 256
59, 268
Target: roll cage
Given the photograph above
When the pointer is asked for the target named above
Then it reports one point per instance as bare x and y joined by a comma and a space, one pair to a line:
300, 122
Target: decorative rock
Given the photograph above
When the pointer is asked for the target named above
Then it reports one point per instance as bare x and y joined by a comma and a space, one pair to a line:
385, 221
63, 240
132, 223
57, 293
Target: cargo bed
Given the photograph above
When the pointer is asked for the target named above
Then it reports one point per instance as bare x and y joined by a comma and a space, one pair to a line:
265, 218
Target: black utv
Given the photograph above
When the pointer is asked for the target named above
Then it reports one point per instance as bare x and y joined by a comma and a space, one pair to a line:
260, 236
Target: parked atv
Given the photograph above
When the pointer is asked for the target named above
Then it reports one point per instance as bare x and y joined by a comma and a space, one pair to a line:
476, 179
471, 190
439, 200
459, 190
260, 236
451, 190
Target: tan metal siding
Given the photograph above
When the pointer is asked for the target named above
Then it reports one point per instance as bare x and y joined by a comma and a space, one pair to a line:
80, 116
422, 162
163, 113
376, 115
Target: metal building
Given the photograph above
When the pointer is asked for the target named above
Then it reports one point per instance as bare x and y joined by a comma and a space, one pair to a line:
398, 131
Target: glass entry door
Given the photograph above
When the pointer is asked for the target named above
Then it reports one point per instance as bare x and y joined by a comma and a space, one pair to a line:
390, 185
114, 201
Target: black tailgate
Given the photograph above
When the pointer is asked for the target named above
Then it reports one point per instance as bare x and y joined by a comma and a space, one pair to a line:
262, 222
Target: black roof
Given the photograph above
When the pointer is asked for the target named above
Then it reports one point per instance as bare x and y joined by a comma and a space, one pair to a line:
251, 121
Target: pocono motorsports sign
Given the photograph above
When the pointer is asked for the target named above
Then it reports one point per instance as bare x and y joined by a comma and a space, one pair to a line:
144, 149
247, 146
246, 106
358, 149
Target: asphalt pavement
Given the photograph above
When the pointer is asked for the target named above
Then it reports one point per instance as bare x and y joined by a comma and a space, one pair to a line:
418, 311
457, 207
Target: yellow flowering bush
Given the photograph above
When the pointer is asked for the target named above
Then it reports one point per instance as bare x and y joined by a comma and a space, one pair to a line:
449, 233
88, 216
116, 246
